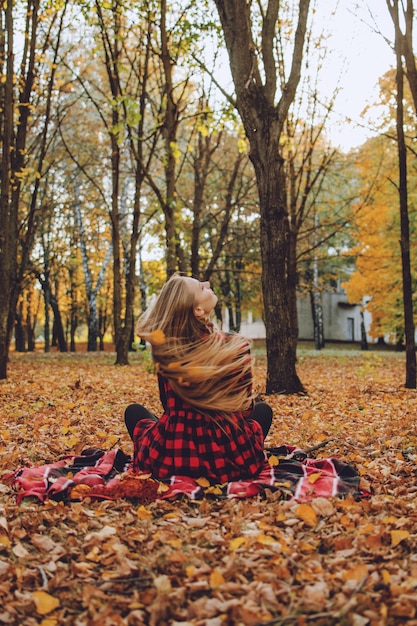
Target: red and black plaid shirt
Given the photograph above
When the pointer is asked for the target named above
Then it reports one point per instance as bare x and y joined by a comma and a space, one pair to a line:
185, 442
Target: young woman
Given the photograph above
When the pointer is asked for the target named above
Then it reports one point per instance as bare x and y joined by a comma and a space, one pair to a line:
210, 426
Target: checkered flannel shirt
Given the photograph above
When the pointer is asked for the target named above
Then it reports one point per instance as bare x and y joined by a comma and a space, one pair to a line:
186, 442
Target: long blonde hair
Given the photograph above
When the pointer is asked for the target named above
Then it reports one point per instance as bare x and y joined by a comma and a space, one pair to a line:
209, 369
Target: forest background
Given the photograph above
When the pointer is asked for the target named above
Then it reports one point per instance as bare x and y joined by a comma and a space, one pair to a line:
129, 161
123, 160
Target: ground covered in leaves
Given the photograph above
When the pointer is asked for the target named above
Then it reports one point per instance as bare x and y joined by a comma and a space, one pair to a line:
213, 562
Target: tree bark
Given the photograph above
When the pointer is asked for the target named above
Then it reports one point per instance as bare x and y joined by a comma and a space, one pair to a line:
59, 328
91, 290
16, 231
19, 332
124, 273
7, 243
170, 128
263, 121
404, 41
410, 348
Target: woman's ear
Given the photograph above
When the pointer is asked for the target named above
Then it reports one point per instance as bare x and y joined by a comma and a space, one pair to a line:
199, 311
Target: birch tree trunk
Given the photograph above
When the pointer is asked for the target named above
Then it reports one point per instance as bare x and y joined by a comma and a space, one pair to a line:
91, 290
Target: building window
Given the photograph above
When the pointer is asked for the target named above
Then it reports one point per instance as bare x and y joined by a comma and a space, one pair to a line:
351, 328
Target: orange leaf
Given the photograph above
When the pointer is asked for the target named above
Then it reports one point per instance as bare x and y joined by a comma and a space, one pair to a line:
314, 477
306, 513
203, 482
216, 579
397, 536
357, 573
265, 540
143, 513
237, 542
157, 337
386, 576
45, 603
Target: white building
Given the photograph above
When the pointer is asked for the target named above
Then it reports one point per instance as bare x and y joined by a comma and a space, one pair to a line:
341, 320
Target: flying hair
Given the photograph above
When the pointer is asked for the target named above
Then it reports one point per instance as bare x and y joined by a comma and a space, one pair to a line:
207, 368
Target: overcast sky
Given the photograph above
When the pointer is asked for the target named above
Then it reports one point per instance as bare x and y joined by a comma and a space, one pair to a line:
361, 55
357, 56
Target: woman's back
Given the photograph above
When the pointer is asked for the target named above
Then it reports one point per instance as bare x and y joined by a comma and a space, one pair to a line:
187, 442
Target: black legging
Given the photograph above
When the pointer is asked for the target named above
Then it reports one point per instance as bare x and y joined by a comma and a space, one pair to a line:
262, 413
134, 413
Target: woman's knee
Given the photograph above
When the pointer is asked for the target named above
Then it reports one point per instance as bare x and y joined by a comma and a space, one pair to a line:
262, 413
262, 408
134, 411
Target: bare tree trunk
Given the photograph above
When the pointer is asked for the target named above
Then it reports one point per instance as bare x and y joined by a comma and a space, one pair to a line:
404, 41
91, 290
205, 148
264, 122
124, 274
410, 348
170, 137
7, 243
73, 316
281, 344
317, 303
16, 232
112, 48
51, 301
47, 326
59, 328
364, 340
19, 330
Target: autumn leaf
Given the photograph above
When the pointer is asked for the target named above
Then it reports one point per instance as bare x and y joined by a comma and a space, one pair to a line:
265, 539
256, 559
397, 536
306, 513
386, 576
143, 513
216, 490
312, 478
203, 482
163, 584
44, 602
216, 579
357, 573
237, 542
157, 337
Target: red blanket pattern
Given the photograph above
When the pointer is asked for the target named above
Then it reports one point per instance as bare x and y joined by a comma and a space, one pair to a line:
108, 475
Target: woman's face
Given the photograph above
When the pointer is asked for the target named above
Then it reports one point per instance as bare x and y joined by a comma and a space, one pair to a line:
204, 298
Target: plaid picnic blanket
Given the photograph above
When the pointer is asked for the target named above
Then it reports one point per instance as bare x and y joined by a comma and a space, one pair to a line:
101, 474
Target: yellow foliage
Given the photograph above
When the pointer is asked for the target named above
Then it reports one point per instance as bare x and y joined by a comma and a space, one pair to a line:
377, 280
44, 602
306, 513
398, 535
216, 579
237, 542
